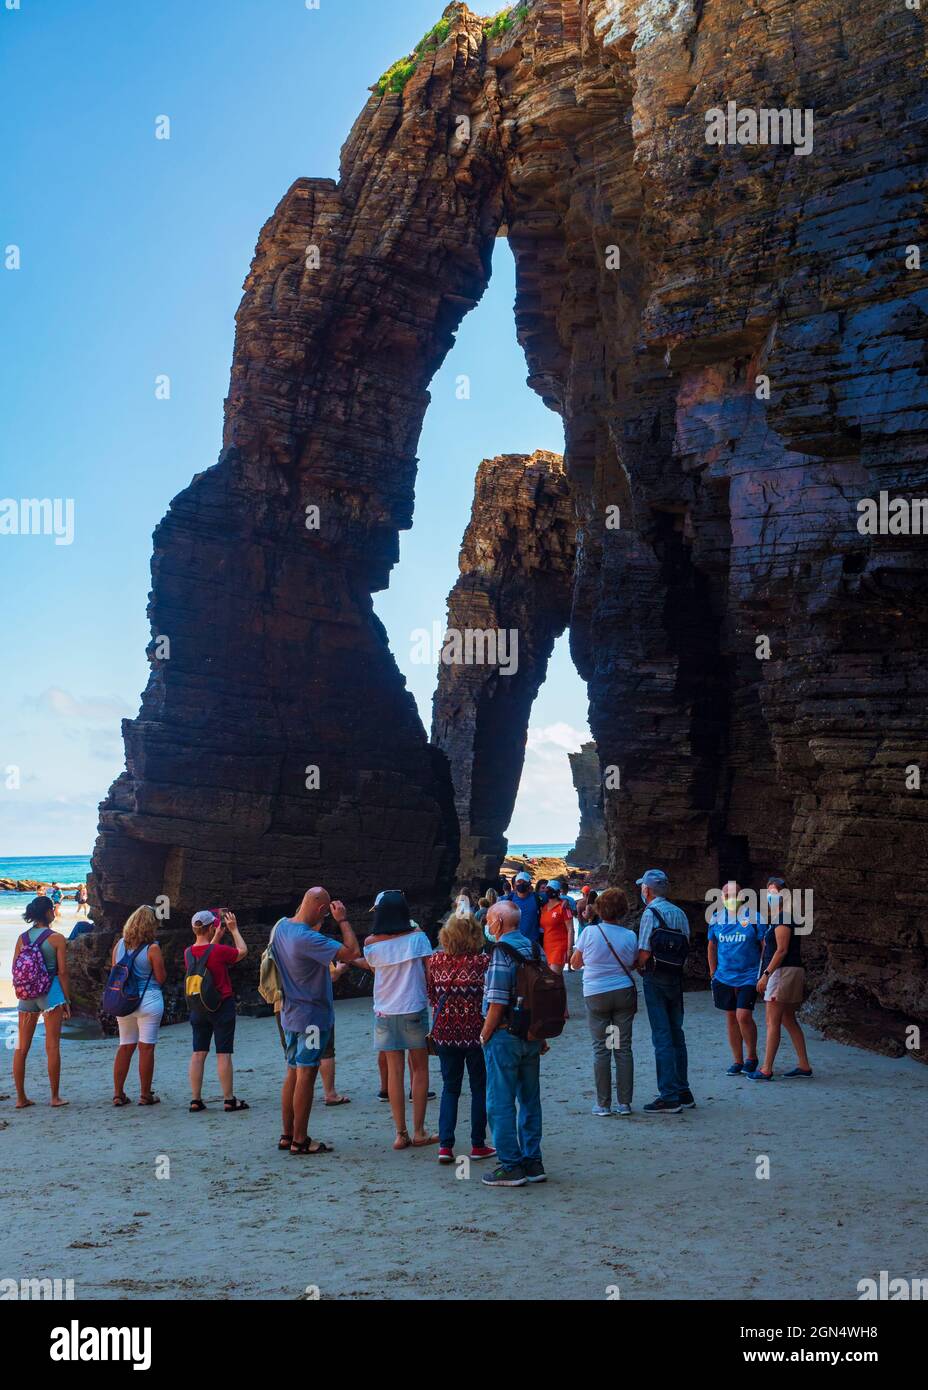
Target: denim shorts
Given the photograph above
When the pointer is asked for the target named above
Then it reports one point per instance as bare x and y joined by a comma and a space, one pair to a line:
44, 1003
400, 1032
299, 1051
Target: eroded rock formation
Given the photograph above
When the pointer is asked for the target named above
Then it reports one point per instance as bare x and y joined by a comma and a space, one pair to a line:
515, 590
734, 336
592, 847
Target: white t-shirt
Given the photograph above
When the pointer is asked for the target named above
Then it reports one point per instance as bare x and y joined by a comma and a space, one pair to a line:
601, 970
399, 973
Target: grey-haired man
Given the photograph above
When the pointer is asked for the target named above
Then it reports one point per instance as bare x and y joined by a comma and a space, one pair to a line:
663, 939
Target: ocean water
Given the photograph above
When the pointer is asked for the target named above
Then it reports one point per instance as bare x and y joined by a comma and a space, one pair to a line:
67, 868
539, 851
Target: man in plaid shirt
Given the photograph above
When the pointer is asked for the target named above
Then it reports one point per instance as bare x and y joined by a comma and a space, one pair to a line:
513, 1070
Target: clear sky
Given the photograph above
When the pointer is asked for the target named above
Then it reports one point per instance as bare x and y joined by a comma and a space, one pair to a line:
132, 255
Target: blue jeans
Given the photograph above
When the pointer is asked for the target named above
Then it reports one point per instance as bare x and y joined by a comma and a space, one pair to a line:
452, 1061
664, 997
513, 1078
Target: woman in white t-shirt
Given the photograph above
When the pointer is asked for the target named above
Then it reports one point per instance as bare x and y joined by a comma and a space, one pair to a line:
396, 951
607, 954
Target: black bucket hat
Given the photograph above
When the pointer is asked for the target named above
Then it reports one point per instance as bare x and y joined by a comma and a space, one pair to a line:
391, 913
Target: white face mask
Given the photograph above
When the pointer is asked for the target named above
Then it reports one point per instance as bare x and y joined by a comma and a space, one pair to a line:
489, 935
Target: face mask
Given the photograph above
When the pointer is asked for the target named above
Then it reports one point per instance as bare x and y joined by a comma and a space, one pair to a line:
731, 904
643, 898
773, 897
489, 935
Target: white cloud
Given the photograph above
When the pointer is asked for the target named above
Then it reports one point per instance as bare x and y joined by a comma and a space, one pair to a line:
61, 704
546, 810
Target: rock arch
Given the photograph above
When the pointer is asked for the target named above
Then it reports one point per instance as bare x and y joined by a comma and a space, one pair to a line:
736, 265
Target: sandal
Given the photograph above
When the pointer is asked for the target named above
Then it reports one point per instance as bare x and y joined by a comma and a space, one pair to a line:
306, 1147
423, 1143
151, 1099
121, 1100
339, 1100
402, 1140
196, 1106
284, 1142
233, 1104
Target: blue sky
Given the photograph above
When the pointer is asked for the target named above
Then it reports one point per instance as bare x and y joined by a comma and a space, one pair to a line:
133, 251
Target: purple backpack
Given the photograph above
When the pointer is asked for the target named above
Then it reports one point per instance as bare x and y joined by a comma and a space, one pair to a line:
30, 973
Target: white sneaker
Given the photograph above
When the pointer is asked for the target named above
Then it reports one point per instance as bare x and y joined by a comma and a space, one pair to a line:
621, 1110
601, 1110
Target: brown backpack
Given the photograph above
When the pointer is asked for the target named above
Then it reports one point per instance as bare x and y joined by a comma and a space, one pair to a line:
539, 1002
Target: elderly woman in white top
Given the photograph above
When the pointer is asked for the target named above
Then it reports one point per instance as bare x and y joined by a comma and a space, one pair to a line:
607, 954
396, 951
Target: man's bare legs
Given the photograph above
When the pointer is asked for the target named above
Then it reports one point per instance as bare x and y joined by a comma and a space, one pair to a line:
296, 1102
748, 1030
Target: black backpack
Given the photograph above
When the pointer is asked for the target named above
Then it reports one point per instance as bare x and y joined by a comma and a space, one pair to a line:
669, 947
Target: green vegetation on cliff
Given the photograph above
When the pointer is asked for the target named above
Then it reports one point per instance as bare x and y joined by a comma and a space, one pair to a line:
396, 77
501, 23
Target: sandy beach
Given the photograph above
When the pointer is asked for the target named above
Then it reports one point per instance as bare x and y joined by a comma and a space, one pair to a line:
657, 1207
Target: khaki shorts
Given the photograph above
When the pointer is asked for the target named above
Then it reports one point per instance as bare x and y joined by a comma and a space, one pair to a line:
787, 985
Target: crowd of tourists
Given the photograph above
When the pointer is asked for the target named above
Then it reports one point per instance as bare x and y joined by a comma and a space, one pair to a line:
487, 1001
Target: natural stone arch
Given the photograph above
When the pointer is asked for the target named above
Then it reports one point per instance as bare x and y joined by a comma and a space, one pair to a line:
587, 131
517, 567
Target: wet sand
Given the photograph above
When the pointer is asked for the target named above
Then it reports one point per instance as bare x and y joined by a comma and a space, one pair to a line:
655, 1207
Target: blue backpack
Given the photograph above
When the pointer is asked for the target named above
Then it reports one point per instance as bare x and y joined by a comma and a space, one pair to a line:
121, 996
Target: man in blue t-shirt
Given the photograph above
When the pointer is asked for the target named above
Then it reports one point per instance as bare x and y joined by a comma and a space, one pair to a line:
526, 900
302, 955
735, 942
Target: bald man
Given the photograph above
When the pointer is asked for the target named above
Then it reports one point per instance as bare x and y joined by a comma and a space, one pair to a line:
307, 1018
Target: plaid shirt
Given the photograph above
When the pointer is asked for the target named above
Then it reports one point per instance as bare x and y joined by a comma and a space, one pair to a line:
500, 982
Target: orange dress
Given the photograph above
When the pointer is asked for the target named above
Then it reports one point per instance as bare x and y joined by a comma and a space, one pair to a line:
555, 922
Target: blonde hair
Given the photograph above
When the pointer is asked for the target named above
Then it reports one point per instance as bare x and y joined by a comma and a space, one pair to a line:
140, 929
461, 936
492, 896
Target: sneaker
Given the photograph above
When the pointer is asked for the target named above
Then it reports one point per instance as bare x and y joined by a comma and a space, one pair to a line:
600, 1110
622, 1109
445, 1155
687, 1101
663, 1107
758, 1075
535, 1170
751, 1064
383, 1096
505, 1177
798, 1071
483, 1151
736, 1069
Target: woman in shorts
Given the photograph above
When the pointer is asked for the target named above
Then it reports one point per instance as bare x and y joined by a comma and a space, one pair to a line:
140, 1029
53, 1006
782, 984
396, 952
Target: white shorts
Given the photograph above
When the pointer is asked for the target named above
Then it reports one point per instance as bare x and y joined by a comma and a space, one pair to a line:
142, 1026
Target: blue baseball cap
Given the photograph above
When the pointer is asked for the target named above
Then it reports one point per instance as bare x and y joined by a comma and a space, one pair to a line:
523, 877
653, 878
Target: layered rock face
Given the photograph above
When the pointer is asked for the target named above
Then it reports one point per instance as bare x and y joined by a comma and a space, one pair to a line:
734, 336
511, 602
592, 847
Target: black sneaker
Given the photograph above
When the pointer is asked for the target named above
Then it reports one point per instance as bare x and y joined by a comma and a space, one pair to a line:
430, 1096
687, 1101
505, 1177
534, 1170
382, 1095
663, 1107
